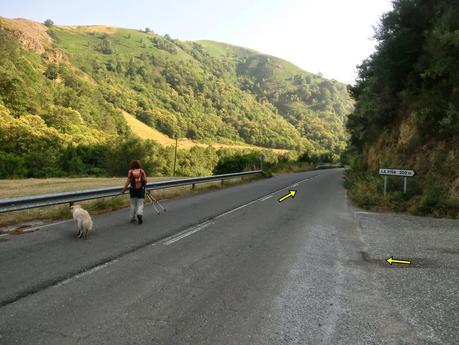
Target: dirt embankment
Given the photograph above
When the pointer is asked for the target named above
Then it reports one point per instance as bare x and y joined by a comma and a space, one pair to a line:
31, 35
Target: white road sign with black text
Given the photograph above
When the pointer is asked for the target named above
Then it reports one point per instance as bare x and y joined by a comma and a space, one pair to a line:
397, 172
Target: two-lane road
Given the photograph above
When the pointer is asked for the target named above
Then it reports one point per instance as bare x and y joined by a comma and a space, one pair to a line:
235, 266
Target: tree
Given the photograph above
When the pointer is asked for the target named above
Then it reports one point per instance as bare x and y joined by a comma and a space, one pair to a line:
51, 71
48, 22
105, 47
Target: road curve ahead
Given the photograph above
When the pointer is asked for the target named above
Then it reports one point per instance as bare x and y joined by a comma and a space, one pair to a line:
236, 266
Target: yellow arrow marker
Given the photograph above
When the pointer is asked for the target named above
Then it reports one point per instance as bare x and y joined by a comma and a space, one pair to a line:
392, 260
291, 193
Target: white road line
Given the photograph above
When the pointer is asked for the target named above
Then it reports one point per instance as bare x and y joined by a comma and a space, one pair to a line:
266, 197
293, 185
85, 273
186, 233
236, 209
4, 235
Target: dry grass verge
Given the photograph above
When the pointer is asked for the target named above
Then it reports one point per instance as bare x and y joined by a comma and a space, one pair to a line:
19, 221
32, 186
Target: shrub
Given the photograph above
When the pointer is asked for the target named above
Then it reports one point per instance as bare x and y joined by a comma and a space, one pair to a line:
365, 191
48, 23
12, 166
51, 71
236, 163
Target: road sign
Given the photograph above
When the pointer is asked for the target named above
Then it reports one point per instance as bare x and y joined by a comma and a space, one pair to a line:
397, 172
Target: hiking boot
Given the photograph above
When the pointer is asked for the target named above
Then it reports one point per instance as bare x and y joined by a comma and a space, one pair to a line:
139, 217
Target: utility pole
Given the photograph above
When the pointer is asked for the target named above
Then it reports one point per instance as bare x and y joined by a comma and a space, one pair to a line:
261, 157
175, 155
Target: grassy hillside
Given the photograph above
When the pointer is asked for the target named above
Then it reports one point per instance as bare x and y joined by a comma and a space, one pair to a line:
407, 110
65, 89
146, 132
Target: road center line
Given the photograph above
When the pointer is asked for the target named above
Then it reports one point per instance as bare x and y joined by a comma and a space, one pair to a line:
186, 233
85, 273
266, 197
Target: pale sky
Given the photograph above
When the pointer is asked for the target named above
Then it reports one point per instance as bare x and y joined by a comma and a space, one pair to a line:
327, 36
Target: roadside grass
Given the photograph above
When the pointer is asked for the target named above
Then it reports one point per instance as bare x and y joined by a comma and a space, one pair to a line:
23, 187
12, 220
422, 199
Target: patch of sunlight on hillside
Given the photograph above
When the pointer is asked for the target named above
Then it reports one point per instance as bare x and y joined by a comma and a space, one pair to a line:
145, 132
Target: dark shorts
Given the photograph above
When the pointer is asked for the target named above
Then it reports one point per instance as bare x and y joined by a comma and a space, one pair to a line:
137, 193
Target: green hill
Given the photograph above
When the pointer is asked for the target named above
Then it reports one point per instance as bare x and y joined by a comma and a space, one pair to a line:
70, 85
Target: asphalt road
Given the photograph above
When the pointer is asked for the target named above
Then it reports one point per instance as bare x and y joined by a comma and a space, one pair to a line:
235, 266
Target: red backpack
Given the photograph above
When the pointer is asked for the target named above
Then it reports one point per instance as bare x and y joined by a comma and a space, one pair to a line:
138, 179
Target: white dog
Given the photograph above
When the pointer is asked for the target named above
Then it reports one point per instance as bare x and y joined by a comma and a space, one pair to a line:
82, 219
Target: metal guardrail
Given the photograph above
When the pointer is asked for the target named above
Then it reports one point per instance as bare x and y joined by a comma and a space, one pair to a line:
33, 201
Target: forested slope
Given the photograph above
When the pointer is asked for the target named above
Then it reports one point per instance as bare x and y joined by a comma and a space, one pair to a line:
317, 107
407, 108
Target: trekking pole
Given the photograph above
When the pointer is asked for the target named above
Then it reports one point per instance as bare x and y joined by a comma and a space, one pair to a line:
158, 203
154, 201
151, 200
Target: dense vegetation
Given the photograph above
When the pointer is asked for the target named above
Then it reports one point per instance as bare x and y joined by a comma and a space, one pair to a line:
62, 90
407, 109
317, 107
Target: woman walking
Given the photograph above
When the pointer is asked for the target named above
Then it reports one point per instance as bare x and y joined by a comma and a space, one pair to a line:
137, 179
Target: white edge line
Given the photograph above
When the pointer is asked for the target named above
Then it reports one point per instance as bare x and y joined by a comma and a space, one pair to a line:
82, 274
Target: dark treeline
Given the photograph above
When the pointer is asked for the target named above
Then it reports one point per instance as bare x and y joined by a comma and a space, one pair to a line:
112, 159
